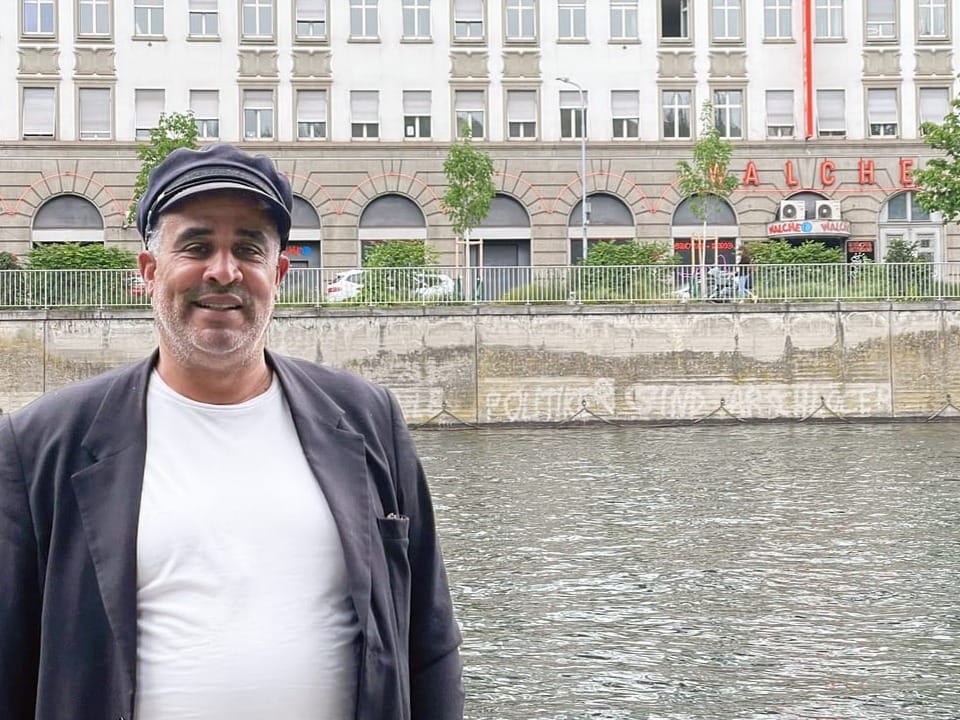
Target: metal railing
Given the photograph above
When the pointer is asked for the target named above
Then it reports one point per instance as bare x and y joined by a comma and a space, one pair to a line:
635, 284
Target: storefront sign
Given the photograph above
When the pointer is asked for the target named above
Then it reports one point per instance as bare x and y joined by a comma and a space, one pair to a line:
826, 170
801, 228
859, 251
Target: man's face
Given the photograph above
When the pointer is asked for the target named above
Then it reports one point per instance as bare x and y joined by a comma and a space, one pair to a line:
213, 277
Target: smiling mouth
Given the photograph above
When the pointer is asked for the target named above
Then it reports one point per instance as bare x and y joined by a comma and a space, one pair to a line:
221, 307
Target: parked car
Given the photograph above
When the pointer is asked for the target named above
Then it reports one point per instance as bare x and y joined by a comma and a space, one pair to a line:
346, 285
423, 285
435, 286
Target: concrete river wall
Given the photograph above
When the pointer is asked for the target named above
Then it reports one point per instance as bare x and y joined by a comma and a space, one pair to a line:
504, 364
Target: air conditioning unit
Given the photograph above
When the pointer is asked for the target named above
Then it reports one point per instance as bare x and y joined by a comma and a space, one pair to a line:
828, 210
793, 210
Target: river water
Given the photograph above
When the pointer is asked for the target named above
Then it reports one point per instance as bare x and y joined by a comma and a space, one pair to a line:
704, 573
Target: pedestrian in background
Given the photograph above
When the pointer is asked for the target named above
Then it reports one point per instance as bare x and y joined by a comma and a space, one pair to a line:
745, 276
218, 531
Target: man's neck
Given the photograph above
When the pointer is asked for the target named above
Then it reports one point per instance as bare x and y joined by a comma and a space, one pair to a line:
226, 385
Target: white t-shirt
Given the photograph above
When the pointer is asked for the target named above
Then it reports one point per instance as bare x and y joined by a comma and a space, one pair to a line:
243, 603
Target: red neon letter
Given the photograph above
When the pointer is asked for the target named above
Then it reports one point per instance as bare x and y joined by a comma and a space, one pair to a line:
826, 173
906, 171
788, 172
750, 176
865, 169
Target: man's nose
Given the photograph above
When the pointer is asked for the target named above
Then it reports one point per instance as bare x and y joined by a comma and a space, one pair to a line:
222, 268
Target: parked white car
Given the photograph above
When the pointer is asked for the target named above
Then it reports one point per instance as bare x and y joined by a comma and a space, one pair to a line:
426, 285
346, 285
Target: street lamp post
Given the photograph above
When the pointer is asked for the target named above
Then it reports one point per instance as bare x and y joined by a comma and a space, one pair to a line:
584, 211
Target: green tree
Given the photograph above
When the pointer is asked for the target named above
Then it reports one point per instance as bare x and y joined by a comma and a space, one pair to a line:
400, 253
939, 179
174, 130
11, 282
8, 261
470, 191
73, 256
470, 187
54, 280
626, 270
706, 180
394, 270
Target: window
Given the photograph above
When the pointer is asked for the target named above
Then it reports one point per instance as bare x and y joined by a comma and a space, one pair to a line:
780, 113
148, 17
258, 114
676, 114
521, 114
311, 114
416, 114
831, 113
416, 19
311, 19
926, 234
882, 112
573, 20
625, 108
932, 19
94, 17
829, 19
934, 104
205, 105
94, 113
39, 17
726, 18
777, 19
468, 19
148, 105
573, 112
522, 19
623, 20
364, 114
675, 19
904, 208
881, 20
257, 19
204, 21
363, 19
39, 113
728, 113
468, 108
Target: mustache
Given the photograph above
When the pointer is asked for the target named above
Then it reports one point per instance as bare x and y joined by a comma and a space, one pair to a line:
234, 289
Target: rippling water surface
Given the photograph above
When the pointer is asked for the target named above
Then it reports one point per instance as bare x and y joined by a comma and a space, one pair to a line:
705, 573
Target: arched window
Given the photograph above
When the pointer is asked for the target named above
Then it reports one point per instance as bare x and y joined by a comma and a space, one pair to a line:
304, 248
391, 217
608, 219
67, 218
721, 236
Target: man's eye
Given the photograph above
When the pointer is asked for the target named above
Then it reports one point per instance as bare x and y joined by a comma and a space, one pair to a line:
249, 251
195, 249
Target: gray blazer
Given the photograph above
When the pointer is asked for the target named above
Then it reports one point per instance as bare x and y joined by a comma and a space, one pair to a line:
71, 471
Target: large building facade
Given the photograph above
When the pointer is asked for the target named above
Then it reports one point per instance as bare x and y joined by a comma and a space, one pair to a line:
359, 101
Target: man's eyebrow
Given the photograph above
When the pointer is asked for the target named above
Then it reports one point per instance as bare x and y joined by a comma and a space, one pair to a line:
202, 231
191, 233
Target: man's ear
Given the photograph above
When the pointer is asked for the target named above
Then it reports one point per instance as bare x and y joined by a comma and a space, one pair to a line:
148, 268
283, 264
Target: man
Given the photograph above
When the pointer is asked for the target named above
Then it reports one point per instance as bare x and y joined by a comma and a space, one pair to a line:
219, 532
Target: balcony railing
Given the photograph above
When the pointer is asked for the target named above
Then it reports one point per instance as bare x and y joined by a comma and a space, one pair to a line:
635, 284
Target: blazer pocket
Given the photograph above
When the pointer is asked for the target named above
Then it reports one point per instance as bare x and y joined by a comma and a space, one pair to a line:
394, 527
394, 533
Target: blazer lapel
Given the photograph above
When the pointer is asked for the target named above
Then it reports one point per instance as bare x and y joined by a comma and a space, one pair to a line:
108, 496
337, 457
